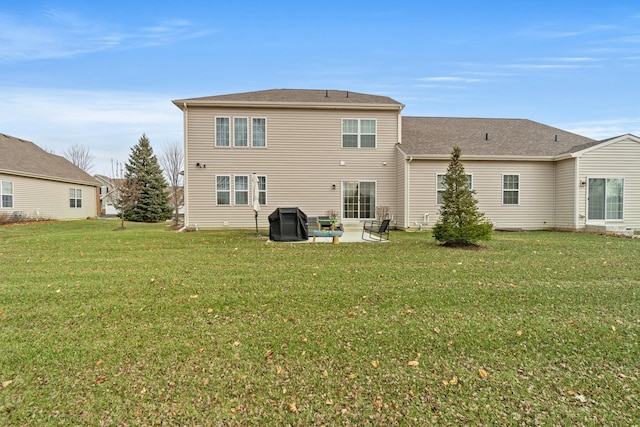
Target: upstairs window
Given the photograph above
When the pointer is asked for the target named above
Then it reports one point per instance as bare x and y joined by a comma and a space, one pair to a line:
75, 198
240, 132
358, 133
259, 132
6, 194
222, 131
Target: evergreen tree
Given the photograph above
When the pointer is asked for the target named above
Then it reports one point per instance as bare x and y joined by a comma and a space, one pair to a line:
460, 223
143, 176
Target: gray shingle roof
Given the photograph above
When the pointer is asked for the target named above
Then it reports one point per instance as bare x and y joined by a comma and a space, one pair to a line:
297, 96
435, 136
20, 157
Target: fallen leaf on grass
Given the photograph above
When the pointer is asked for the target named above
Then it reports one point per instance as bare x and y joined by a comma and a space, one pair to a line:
378, 402
101, 379
375, 364
519, 333
99, 362
436, 330
352, 314
452, 381
7, 383
483, 374
413, 363
580, 398
269, 354
293, 408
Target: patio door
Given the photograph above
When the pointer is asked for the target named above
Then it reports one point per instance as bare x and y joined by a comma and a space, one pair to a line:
605, 199
358, 199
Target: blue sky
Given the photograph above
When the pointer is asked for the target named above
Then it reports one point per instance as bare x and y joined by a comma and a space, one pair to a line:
100, 74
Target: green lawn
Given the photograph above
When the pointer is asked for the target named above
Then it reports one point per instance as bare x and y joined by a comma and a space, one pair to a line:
150, 327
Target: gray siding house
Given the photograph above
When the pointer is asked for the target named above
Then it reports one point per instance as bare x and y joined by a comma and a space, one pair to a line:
36, 184
354, 155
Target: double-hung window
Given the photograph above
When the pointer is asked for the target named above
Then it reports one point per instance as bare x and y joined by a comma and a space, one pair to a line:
222, 131
440, 187
6, 194
510, 189
223, 190
358, 133
259, 132
240, 132
241, 189
75, 198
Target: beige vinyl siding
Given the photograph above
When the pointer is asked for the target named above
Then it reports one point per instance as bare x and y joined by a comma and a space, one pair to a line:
301, 162
536, 199
617, 160
400, 216
566, 189
48, 199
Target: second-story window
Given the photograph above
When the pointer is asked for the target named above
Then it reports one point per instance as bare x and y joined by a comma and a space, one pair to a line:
240, 132
358, 133
222, 131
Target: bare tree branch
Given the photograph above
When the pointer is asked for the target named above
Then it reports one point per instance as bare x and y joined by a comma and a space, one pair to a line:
81, 156
171, 160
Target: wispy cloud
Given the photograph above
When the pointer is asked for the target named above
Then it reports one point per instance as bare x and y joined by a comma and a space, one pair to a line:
450, 79
602, 129
60, 34
109, 125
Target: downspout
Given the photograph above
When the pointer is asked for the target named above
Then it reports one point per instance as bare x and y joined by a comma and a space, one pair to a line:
407, 186
185, 180
576, 196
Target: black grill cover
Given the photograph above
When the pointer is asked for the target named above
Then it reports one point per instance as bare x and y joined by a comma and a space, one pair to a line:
288, 225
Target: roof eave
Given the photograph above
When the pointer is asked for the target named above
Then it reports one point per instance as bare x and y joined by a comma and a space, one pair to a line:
478, 157
50, 178
185, 103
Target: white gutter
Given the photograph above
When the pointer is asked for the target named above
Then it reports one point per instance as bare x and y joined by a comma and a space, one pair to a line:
185, 193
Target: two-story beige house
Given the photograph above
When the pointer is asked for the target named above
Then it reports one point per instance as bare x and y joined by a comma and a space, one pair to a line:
355, 155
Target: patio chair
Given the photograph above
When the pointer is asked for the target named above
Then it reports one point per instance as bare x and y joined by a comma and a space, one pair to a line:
379, 228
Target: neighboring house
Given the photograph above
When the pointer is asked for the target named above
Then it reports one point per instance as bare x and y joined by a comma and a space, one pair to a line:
36, 184
356, 155
109, 194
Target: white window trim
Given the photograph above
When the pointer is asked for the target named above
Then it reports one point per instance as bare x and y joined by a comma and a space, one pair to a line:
247, 191
624, 197
259, 147
510, 189
227, 190
215, 132
265, 192
359, 133
439, 191
75, 198
3, 194
248, 132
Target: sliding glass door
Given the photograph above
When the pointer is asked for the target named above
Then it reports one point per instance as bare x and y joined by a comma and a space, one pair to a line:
605, 199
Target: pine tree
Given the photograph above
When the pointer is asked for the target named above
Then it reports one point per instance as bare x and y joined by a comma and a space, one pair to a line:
143, 176
460, 223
